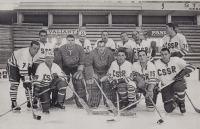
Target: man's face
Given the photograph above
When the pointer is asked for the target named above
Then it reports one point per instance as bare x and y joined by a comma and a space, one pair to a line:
43, 37
59, 39
34, 49
168, 29
82, 38
104, 36
121, 57
49, 60
124, 37
101, 47
70, 41
142, 57
135, 35
165, 56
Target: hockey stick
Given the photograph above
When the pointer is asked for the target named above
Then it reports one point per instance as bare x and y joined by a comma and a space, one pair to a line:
85, 106
197, 110
161, 120
22, 103
37, 117
110, 104
87, 95
132, 104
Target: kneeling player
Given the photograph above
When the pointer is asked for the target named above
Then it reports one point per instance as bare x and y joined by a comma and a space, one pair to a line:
170, 69
144, 74
119, 72
19, 67
49, 75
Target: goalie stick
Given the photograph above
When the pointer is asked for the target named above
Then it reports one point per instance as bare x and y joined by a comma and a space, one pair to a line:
110, 104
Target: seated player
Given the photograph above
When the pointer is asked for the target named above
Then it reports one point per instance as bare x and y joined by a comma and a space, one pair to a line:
173, 69
50, 75
97, 65
119, 73
145, 76
70, 58
19, 67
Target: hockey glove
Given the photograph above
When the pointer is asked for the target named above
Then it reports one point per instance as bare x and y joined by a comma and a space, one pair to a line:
36, 90
176, 54
139, 80
181, 74
78, 75
114, 84
54, 81
149, 94
27, 86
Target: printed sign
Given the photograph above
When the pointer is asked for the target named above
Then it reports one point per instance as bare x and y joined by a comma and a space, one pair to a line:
61, 32
156, 33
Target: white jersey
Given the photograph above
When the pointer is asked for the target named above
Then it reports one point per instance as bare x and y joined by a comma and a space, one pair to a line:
130, 44
21, 59
40, 56
86, 45
144, 45
44, 74
110, 43
176, 44
117, 71
167, 71
149, 72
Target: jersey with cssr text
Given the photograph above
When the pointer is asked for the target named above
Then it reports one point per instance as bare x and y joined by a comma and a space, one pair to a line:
176, 44
167, 71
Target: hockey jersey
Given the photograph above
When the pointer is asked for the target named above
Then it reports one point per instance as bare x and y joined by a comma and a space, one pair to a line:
130, 44
43, 75
86, 45
167, 71
98, 63
110, 43
149, 72
40, 56
176, 44
21, 59
117, 71
70, 58
144, 45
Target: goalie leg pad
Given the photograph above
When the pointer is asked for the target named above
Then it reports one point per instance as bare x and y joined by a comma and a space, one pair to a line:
107, 89
179, 88
45, 99
131, 93
122, 89
80, 90
94, 95
61, 89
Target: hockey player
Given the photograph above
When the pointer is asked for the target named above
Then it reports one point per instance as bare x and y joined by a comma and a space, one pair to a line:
109, 42
49, 75
168, 69
83, 42
119, 73
19, 67
128, 44
71, 59
97, 65
57, 45
142, 45
175, 42
146, 71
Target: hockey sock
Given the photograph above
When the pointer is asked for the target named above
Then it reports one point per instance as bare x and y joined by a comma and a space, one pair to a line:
13, 91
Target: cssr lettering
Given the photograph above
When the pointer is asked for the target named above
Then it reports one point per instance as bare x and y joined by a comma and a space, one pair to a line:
119, 73
166, 71
172, 45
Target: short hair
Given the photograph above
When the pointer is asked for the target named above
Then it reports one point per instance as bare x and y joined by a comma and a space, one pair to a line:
171, 25
122, 49
136, 31
35, 42
123, 32
100, 41
70, 36
42, 31
142, 51
104, 31
165, 49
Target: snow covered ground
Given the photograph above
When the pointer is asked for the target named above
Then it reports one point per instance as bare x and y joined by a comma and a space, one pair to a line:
74, 118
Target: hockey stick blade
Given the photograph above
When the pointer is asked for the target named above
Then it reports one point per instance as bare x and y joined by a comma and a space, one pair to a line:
197, 110
100, 112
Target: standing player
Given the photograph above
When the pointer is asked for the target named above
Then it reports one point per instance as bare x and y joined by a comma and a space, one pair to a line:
71, 59
19, 67
119, 72
147, 71
49, 75
128, 44
142, 45
97, 65
108, 41
168, 69
175, 42
83, 42
57, 45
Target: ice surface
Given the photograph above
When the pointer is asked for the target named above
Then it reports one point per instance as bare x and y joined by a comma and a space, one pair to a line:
74, 118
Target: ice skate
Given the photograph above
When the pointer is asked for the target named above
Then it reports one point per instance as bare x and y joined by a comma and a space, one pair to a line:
182, 107
60, 105
15, 107
46, 112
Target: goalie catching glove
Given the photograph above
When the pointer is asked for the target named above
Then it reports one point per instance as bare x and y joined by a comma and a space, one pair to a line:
115, 82
138, 79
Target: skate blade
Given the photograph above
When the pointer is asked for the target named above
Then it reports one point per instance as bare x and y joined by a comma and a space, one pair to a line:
16, 111
59, 109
